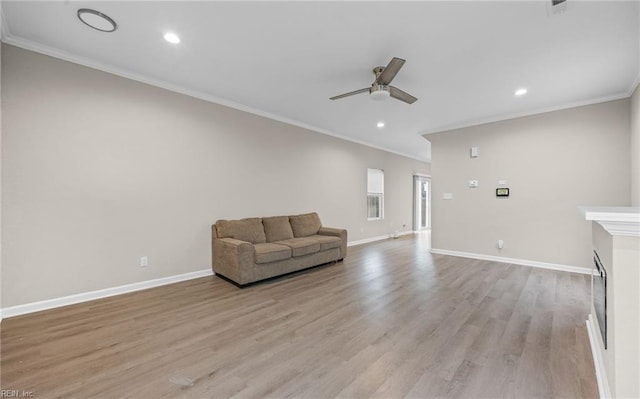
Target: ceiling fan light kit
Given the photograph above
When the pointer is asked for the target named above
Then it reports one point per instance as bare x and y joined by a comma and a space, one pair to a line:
380, 88
381, 93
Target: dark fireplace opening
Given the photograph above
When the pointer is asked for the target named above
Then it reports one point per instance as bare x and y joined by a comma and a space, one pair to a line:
599, 281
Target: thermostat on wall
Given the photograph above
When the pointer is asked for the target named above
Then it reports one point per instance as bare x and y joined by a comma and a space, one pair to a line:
502, 192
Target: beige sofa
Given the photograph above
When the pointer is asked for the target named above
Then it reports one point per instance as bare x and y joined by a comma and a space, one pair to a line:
253, 249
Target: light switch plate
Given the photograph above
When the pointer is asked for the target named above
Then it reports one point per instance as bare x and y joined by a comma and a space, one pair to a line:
473, 183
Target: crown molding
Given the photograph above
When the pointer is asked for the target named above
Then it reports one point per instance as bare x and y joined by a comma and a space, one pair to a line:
65, 56
537, 111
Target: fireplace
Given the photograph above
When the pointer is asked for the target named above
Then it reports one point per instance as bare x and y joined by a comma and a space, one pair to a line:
599, 281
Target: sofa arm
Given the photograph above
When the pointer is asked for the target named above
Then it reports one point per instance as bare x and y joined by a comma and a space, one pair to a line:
232, 258
331, 231
340, 233
233, 243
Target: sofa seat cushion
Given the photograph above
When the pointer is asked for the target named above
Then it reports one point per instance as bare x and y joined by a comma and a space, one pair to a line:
270, 252
277, 228
327, 242
250, 230
301, 246
305, 225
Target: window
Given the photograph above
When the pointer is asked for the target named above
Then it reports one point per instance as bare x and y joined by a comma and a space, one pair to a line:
375, 194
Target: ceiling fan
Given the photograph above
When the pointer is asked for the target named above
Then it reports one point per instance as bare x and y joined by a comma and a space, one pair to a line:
380, 88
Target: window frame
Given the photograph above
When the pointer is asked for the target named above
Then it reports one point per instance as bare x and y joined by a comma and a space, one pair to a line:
372, 192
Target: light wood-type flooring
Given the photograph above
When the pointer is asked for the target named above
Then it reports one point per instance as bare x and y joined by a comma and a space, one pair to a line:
390, 321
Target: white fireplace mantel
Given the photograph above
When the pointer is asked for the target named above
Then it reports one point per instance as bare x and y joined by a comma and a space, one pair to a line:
616, 241
617, 220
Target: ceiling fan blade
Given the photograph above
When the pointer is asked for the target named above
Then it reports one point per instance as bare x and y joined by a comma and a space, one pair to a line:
402, 95
390, 71
351, 93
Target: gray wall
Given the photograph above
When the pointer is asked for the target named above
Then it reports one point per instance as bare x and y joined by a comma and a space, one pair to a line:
552, 162
635, 147
99, 170
1, 177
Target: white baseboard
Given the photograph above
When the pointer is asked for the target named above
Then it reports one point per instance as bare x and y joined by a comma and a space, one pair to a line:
123, 289
379, 238
598, 362
107, 292
523, 262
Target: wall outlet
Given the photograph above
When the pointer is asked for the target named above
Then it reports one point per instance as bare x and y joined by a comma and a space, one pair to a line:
447, 196
500, 244
144, 261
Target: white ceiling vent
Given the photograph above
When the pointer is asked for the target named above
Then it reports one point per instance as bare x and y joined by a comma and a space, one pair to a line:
555, 7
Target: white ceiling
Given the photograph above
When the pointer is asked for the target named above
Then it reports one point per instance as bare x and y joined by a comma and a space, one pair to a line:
285, 59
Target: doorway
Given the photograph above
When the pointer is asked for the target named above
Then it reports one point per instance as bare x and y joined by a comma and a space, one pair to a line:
422, 202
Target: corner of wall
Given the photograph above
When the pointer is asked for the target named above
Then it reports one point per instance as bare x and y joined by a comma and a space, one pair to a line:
1, 28
635, 147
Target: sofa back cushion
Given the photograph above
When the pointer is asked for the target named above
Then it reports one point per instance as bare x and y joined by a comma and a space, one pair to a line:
305, 225
277, 228
249, 229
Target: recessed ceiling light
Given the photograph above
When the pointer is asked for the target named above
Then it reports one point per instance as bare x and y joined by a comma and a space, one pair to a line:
171, 38
380, 124
521, 92
96, 20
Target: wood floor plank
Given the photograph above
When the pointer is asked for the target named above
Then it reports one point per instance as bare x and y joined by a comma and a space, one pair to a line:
391, 321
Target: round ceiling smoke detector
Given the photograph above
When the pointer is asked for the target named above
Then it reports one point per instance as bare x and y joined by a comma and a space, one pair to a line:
96, 20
